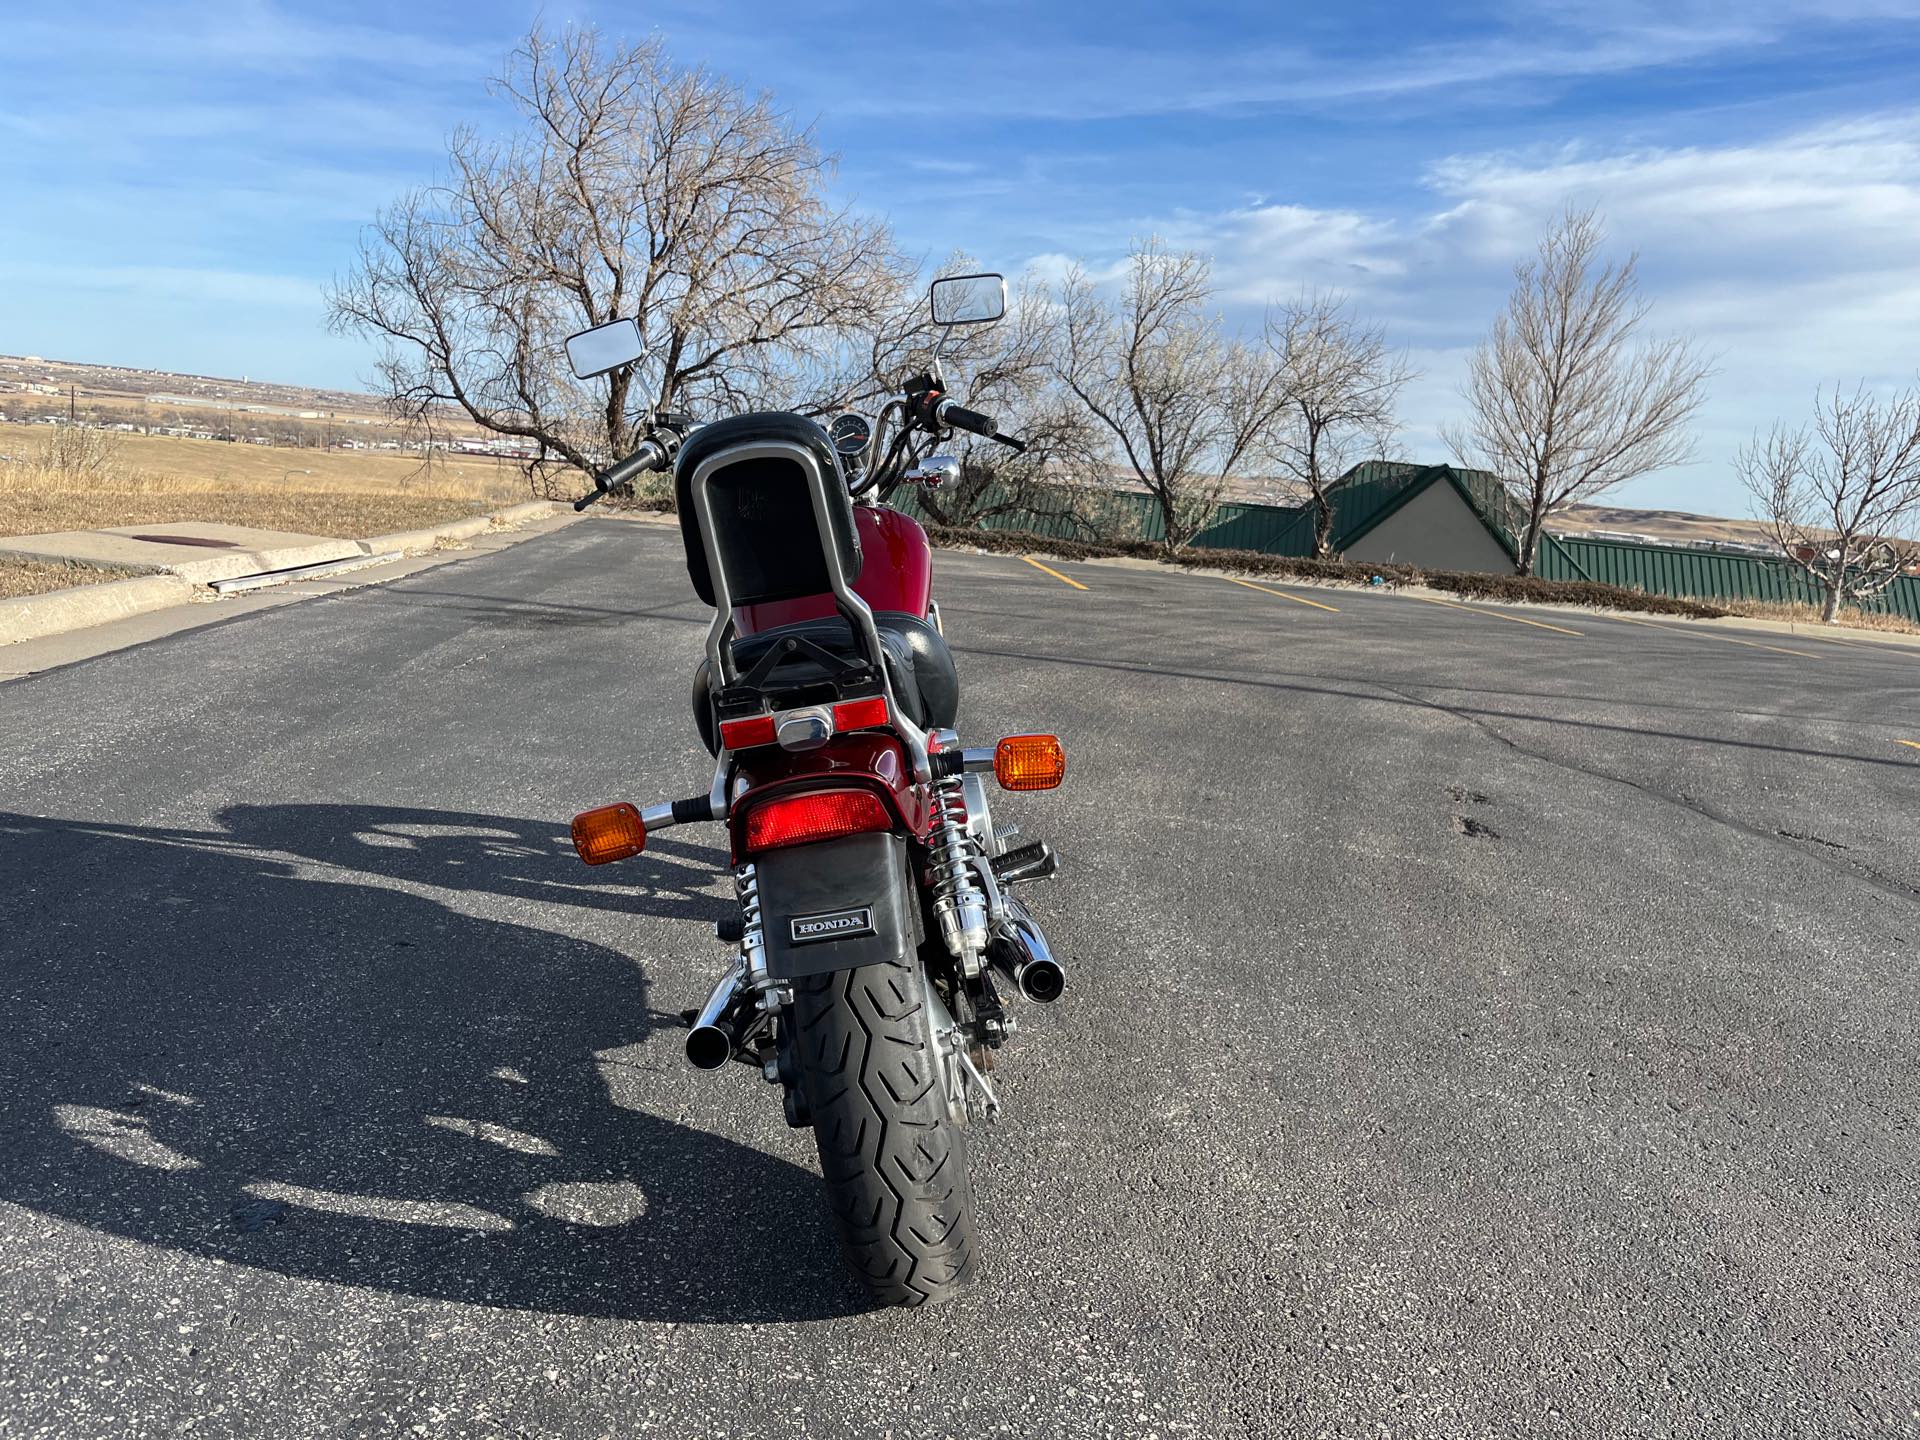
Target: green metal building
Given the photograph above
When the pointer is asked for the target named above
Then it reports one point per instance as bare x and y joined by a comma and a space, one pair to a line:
1447, 517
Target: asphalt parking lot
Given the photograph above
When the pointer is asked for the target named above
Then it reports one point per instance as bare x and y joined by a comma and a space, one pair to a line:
1481, 1022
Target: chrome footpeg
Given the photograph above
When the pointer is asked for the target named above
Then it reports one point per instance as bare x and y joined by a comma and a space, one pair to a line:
1030, 862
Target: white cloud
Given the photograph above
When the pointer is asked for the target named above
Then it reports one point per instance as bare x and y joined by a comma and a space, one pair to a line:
1795, 260
1857, 183
1268, 250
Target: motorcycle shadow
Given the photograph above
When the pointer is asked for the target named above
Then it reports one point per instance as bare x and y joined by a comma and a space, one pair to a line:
247, 1043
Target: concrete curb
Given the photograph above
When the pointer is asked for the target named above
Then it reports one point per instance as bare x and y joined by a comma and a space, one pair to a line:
236, 563
411, 540
425, 539
34, 617
206, 567
635, 517
30, 617
1842, 633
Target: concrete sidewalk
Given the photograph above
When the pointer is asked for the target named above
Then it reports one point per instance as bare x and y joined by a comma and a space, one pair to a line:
195, 550
185, 558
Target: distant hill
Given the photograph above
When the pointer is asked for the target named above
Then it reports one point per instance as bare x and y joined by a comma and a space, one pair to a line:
45, 379
1671, 526
30, 384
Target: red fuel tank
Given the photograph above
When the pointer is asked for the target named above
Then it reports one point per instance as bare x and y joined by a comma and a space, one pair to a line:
896, 573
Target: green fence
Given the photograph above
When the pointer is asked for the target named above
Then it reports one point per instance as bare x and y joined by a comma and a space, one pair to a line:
1370, 489
1705, 574
1101, 514
1128, 515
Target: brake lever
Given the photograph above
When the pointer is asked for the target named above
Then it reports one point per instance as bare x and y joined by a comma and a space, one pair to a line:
586, 500
1019, 447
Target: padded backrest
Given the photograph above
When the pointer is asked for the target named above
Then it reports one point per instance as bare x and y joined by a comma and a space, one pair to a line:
769, 541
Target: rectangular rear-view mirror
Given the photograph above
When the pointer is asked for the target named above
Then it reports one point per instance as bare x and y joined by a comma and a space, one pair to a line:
604, 347
969, 299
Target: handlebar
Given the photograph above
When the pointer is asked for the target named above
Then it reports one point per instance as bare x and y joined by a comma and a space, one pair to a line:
961, 418
650, 456
920, 407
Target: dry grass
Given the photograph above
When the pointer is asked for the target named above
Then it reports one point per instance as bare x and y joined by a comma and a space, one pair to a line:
1810, 615
154, 479
21, 576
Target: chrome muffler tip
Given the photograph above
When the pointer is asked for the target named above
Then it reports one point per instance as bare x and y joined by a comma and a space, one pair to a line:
718, 1026
709, 1047
1042, 980
1021, 954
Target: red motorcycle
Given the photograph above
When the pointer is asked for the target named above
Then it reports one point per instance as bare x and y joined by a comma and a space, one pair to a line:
880, 931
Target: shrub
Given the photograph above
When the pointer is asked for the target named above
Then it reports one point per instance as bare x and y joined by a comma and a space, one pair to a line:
79, 454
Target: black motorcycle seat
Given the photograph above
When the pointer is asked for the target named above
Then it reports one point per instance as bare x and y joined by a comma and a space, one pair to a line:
919, 667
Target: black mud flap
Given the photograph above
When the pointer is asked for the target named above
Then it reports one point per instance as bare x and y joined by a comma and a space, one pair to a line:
836, 905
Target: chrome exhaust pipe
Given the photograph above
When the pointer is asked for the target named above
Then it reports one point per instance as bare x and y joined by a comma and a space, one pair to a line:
718, 1027
1021, 954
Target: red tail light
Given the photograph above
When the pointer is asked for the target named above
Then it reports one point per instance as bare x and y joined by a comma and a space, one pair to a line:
757, 730
816, 815
747, 733
860, 714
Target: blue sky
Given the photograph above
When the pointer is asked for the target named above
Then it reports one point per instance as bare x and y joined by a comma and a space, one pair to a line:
178, 182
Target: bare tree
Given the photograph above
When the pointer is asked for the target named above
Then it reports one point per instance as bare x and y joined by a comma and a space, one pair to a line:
1341, 383
1006, 372
1175, 402
1844, 499
633, 188
1567, 401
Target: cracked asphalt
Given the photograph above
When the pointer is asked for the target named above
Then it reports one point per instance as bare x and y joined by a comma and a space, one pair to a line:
1473, 1029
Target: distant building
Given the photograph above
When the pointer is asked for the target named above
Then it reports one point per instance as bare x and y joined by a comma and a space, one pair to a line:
1385, 512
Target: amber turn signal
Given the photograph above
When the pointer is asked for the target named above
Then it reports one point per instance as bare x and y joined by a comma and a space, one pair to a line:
609, 833
1029, 762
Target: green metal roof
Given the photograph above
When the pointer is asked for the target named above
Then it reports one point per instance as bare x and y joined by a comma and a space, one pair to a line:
1362, 498
1372, 491
1378, 489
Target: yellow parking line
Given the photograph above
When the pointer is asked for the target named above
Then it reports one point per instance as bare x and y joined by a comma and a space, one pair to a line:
1063, 579
1297, 599
1494, 614
1714, 635
1914, 743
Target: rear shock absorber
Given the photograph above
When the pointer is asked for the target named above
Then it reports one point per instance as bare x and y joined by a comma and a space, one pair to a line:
753, 947
957, 899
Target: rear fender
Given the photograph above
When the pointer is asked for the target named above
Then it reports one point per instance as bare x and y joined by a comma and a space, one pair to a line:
837, 904
873, 758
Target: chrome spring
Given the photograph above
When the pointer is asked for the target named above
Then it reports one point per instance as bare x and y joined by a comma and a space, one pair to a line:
958, 901
950, 796
950, 836
753, 947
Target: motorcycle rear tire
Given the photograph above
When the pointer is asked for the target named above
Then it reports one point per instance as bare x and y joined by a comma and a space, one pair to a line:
893, 1158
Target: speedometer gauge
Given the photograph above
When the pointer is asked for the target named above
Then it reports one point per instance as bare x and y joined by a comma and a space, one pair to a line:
851, 435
